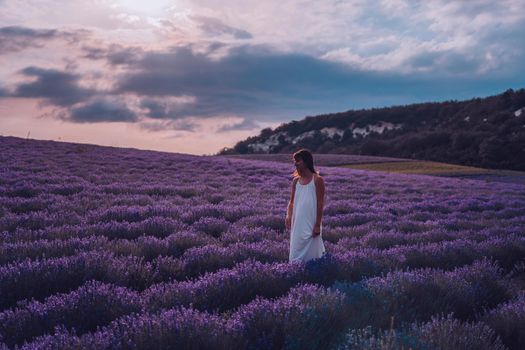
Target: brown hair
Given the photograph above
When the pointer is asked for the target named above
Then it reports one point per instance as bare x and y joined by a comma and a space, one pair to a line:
307, 157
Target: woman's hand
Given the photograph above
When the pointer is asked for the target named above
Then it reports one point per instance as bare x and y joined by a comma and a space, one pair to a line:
317, 230
288, 223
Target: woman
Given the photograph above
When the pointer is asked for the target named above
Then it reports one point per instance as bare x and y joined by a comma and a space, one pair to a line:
305, 210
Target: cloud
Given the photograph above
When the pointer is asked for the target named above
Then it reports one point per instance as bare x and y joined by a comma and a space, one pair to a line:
57, 87
17, 38
102, 110
163, 125
202, 60
256, 82
447, 61
215, 27
75, 103
115, 54
95, 15
166, 107
249, 79
245, 124
155, 109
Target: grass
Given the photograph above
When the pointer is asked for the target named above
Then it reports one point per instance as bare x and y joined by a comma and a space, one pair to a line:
443, 169
421, 167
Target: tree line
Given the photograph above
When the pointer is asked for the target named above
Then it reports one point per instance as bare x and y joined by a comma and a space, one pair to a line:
487, 132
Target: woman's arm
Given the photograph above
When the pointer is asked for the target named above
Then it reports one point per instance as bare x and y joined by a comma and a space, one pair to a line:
320, 192
289, 211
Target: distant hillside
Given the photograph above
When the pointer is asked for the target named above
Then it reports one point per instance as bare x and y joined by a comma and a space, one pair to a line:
486, 132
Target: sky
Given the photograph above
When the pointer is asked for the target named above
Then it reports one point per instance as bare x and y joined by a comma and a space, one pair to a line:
194, 76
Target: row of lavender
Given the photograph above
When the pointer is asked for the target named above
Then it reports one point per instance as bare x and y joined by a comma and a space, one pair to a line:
477, 299
41, 278
126, 235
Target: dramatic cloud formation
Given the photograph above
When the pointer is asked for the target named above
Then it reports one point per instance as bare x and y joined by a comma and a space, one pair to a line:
102, 110
249, 81
193, 66
59, 88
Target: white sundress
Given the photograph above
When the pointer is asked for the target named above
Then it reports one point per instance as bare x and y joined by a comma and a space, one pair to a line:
303, 246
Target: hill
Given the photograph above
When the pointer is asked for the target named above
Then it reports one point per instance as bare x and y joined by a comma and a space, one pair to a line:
484, 132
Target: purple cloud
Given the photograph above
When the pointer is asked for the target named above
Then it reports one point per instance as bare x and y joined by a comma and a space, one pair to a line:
102, 110
57, 87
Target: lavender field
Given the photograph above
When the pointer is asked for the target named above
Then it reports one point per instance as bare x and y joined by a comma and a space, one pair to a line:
109, 248
323, 159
